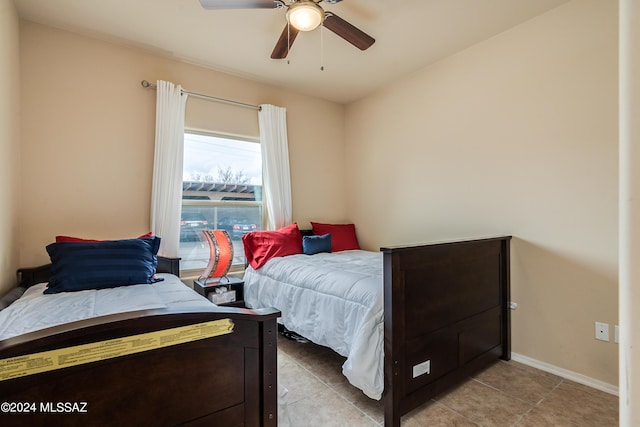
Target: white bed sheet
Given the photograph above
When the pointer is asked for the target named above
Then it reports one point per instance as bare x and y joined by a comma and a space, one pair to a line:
333, 299
35, 310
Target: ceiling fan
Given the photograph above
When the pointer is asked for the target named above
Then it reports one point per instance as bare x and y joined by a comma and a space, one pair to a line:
302, 15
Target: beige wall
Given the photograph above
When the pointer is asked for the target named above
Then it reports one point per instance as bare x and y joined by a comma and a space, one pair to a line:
88, 135
516, 135
9, 142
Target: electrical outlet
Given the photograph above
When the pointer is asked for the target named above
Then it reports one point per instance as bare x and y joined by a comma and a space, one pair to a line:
602, 331
422, 368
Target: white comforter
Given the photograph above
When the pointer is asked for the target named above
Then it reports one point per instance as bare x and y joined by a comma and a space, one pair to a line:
333, 299
35, 310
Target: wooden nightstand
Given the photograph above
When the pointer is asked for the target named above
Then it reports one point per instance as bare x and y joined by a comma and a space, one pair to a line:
231, 283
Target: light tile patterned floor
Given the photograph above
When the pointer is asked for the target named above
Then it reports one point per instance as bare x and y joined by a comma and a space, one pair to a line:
506, 394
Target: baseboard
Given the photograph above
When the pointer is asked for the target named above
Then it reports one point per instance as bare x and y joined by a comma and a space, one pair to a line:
565, 373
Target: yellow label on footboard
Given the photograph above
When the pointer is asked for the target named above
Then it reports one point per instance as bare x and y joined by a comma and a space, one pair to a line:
35, 363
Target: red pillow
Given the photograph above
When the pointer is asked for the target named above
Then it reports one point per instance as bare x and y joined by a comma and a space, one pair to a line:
261, 246
78, 239
343, 236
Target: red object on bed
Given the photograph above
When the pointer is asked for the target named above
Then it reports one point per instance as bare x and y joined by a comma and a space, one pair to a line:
261, 246
343, 236
80, 239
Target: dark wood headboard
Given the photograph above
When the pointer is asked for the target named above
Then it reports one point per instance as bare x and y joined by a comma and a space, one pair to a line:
31, 276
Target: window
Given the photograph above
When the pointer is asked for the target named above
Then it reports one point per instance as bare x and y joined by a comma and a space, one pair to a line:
221, 188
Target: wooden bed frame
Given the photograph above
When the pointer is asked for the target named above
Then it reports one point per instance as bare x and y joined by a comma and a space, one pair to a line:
446, 316
225, 380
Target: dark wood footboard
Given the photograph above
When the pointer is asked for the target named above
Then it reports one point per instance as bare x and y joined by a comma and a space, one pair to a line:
226, 380
446, 317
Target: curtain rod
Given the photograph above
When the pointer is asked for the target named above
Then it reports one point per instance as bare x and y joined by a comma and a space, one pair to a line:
148, 85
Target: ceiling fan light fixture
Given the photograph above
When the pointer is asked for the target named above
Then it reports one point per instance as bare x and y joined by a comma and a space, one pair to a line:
305, 15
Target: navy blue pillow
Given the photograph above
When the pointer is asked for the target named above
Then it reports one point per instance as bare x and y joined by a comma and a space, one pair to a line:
76, 266
316, 244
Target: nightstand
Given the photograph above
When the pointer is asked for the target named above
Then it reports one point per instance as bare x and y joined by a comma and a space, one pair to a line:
229, 283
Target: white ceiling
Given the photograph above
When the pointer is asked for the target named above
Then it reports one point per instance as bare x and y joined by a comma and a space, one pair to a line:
410, 35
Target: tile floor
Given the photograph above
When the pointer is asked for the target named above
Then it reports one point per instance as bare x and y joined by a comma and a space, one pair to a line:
505, 394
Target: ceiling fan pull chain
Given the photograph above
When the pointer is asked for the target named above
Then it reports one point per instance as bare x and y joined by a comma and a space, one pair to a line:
321, 48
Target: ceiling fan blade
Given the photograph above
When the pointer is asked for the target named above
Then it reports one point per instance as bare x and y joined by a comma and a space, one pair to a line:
283, 46
353, 35
240, 4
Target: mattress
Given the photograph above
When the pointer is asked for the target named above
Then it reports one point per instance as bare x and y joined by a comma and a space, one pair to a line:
333, 299
35, 310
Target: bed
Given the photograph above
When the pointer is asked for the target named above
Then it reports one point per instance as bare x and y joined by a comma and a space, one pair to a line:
412, 321
178, 360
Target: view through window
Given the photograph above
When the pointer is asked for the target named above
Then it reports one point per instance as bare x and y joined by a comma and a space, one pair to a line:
221, 189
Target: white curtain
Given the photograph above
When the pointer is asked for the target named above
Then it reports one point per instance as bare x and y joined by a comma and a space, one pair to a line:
166, 192
275, 166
